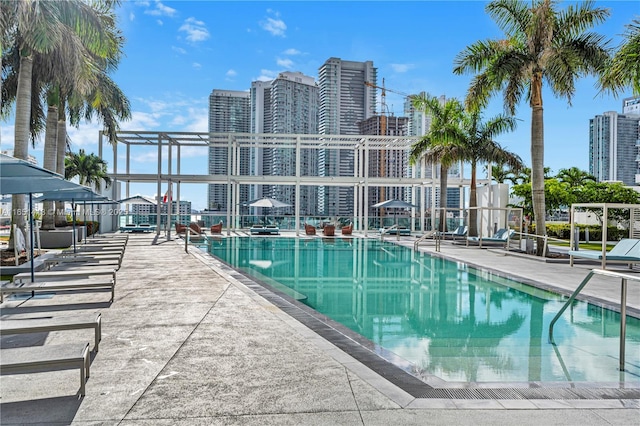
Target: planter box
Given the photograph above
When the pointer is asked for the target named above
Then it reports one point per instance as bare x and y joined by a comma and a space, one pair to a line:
57, 238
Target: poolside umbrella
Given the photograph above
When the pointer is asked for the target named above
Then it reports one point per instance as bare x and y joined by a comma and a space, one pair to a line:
139, 200
394, 204
22, 177
81, 193
268, 203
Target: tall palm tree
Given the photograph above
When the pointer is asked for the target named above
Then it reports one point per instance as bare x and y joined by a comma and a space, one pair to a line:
436, 146
89, 169
479, 146
624, 69
575, 177
40, 27
541, 45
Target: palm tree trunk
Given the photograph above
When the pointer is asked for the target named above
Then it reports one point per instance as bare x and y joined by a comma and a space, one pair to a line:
444, 175
21, 136
49, 161
473, 203
537, 163
61, 149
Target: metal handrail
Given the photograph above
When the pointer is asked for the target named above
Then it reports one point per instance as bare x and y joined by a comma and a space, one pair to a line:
386, 231
187, 238
436, 235
623, 305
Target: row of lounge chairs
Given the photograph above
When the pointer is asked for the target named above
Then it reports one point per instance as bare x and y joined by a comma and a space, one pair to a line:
90, 266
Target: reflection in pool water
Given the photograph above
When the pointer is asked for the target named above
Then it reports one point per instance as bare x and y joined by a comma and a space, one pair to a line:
444, 318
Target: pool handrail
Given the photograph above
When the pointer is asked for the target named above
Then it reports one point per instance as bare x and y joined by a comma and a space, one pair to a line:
434, 234
623, 305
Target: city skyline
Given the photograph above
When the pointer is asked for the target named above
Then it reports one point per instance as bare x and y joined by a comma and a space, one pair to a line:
177, 52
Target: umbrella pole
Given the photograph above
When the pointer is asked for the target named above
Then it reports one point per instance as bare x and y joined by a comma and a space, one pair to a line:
33, 277
73, 214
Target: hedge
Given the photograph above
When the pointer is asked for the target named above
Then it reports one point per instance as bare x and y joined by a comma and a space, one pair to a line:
563, 231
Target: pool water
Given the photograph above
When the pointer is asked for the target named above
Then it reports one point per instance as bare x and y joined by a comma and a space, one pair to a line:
435, 317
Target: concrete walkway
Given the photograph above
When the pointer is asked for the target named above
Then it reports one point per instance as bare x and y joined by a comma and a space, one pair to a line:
187, 342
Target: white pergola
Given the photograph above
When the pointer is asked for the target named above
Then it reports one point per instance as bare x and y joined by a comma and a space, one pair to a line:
168, 144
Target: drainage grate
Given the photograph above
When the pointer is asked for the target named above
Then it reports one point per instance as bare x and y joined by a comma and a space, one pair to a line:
532, 393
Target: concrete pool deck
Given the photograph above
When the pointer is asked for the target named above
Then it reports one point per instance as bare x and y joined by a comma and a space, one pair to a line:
186, 341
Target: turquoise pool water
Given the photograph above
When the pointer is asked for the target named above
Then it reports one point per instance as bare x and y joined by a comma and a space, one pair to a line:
435, 317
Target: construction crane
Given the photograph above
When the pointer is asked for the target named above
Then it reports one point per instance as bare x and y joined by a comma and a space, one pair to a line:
383, 103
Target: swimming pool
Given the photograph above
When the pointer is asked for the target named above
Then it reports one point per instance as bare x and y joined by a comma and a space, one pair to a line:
440, 319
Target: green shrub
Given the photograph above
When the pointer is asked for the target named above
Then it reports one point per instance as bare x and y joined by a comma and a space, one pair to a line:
563, 231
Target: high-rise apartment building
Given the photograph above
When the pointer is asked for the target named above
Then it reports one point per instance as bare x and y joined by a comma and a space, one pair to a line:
614, 140
288, 105
229, 112
344, 102
631, 105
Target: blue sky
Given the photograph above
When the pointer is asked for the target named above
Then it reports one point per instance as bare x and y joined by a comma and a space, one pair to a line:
176, 52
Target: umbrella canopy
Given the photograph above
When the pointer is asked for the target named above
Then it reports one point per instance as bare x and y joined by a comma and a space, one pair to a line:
138, 199
79, 193
14, 167
268, 202
21, 177
393, 204
33, 185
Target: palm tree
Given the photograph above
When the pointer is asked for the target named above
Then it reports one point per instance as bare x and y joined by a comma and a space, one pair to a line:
40, 27
90, 169
499, 173
541, 45
575, 177
479, 146
624, 69
436, 146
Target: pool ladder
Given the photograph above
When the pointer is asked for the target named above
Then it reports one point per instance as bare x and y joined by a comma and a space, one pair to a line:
623, 305
437, 238
187, 238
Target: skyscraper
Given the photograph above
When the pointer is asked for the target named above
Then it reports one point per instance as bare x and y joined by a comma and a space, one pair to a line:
613, 147
344, 102
229, 111
286, 105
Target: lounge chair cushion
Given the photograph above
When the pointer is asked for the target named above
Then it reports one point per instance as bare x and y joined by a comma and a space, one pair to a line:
627, 250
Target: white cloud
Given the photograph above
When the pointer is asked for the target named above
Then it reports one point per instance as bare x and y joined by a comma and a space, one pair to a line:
160, 9
198, 120
132, 16
292, 52
266, 75
402, 67
285, 63
196, 30
197, 65
275, 26
179, 50
159, 22
231, 73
